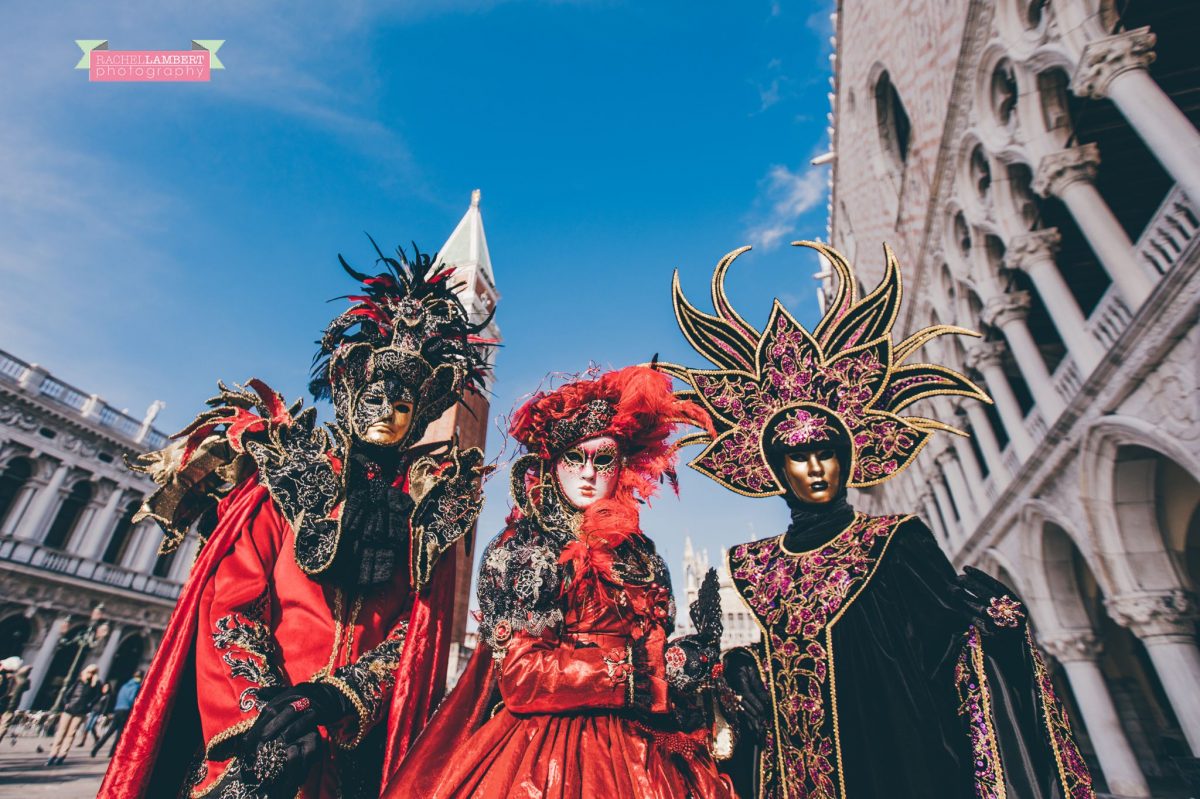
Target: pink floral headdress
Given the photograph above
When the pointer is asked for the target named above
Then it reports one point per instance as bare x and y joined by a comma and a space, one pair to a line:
846, 380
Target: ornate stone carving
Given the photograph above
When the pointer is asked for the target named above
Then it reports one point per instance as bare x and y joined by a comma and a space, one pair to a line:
1104, 59
1006, 308
1072, 645
984, 354
1167, 614
1027, 250
1058, 170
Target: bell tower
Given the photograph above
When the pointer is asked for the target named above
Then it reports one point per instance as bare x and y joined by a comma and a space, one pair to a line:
466, 251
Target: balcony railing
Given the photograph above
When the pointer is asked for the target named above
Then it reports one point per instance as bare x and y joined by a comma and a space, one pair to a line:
28, 553
1067, 379
1171, 229
1109, 319
17, 371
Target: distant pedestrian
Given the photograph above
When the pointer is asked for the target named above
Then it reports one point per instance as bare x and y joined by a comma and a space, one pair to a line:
78, 702
101, 708
15, 684
120, 715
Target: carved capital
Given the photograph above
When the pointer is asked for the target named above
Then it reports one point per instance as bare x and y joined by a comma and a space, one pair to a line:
1026, 251
1171, 614
1072, 645
1104, 59
984, 355
945, 457
1007, 308
1058, 170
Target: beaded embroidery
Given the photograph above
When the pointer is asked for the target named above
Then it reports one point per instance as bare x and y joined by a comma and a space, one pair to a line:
846, 379
975, 706
1072, 771
797, 599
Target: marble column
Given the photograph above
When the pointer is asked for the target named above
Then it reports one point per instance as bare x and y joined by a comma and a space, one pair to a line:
1070, 175
981, 428
1116, 67
984, 357
1033, 253
115, 632
44, 505
1078, 651
942, 499
958, 486
96, 538
971, 472
1165, 624
1007, 313
932, 517
41, 663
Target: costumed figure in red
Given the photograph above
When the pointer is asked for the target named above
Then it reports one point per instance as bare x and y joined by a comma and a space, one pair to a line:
309, 644
575, 690
881, 673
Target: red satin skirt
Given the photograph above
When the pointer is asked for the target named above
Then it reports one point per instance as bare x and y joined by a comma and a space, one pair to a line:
575, 756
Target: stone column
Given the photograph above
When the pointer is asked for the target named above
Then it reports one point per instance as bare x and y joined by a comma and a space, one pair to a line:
1069, 175
1078, 651
1007, 313
18, 512
929, 507
110, 649
942, 498
1116, 67
44, 505
984, 357
96, 538
958, 485
147, 549
981, 427
1033, 253
41, 663
1165, 624
972, 473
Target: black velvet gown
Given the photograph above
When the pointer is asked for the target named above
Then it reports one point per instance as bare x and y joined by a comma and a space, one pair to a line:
880, 686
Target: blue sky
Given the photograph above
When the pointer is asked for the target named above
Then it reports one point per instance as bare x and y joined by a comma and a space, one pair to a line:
157, 237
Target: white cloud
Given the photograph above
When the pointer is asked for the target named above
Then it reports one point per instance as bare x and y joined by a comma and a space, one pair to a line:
784, 196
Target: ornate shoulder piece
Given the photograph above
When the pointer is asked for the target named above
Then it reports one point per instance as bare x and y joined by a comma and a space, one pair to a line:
246, 429
448, 496
520, 583
785, 386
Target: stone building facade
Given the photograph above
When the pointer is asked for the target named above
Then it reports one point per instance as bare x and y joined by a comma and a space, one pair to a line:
740, 628
67, 541
1033, 164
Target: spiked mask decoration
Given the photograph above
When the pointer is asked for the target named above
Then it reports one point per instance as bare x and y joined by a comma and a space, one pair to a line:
784, 387
406, 342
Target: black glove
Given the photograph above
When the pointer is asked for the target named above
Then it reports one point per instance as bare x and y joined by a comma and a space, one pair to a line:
988, 604
692, 659
284, 743
753, 714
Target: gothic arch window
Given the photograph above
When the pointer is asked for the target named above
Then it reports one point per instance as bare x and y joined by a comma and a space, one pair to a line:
962, 234
1025, 201
980, 173
12, 480
1055, 99
15, 632
119, 541
1004, 93
69, 513
895, 128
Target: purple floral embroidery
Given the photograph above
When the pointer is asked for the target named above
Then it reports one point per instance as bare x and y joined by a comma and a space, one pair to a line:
1073, 772
975, 706
797, 598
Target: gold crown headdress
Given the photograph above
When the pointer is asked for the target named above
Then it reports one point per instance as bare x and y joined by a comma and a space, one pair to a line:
845, 381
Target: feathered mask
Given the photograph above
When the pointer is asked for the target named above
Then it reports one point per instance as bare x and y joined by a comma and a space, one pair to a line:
784, 387
409, 335
636, 407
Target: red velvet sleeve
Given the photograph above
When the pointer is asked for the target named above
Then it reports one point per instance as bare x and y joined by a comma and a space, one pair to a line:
236, 653
553, 674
